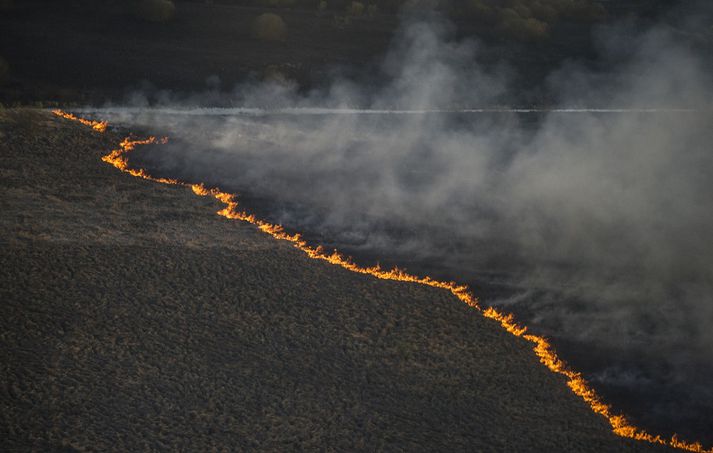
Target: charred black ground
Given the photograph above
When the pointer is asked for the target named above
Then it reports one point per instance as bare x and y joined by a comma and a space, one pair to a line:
665, 391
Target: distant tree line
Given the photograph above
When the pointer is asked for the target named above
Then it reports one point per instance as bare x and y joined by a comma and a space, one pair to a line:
520, 19
527, 20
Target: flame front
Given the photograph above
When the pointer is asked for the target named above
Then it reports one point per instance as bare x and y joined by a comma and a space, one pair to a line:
96, 125
541, 346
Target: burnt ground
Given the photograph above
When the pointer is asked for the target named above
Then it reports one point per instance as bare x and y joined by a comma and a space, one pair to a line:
133, 319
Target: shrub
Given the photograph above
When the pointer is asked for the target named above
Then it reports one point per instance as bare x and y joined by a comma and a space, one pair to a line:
275, 74
528, 19
588, 12
269, 27
155, 10
356, 9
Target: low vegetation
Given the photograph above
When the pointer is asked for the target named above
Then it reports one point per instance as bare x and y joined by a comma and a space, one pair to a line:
356, 9
133, 318
155, 10
528, 19
275, 74
269, 27
525, 20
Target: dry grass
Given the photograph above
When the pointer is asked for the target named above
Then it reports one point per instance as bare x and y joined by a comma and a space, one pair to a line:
135, 319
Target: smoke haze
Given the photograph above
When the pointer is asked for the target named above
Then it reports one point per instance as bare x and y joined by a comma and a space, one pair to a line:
595, 228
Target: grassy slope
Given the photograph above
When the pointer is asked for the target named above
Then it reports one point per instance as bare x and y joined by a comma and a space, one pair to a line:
133, 318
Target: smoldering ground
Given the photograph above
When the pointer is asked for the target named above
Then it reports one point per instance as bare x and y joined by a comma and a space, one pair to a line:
593, 227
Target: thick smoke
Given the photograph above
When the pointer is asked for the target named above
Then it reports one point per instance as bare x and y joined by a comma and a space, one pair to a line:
596, 227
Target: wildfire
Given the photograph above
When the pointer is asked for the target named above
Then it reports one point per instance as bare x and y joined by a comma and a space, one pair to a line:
96, 125
541, 346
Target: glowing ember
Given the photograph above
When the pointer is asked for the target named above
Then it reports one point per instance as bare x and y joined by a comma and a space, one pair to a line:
542, 347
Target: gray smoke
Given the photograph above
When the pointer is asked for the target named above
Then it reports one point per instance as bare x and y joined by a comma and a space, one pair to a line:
598, 224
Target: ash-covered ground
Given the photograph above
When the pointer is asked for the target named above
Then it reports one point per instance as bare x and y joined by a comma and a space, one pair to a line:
625, 298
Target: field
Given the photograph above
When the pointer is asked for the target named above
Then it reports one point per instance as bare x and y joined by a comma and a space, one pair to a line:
134, 318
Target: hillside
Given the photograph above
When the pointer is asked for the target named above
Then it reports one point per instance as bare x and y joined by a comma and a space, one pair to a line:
133, 318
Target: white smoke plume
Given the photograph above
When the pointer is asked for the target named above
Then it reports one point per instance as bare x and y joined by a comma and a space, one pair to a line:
595, 225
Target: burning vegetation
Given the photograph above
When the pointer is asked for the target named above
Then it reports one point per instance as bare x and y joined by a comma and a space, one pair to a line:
541, 346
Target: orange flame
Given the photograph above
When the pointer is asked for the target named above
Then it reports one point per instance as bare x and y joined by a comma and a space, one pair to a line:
541, 346
96, 125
